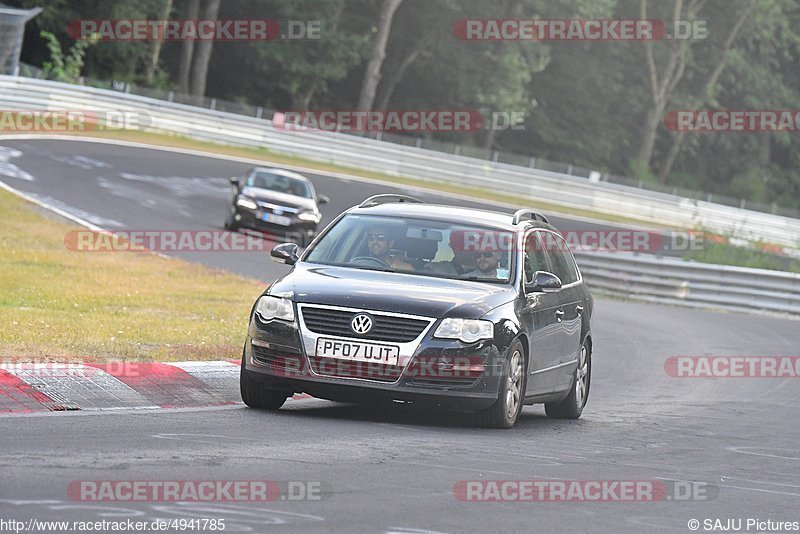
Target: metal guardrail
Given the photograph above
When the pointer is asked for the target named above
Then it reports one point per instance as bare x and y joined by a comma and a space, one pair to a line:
637, 276
447, 147
398, 160
687, 283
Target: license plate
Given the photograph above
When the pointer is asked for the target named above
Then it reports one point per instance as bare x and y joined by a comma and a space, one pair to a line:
360, 352
276, 219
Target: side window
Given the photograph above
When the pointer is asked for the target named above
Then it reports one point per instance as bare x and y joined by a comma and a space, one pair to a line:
569, 259
560, 258
534, 255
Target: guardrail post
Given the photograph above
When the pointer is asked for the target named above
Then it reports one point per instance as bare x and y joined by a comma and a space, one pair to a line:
213, 103
171, 96
259, 112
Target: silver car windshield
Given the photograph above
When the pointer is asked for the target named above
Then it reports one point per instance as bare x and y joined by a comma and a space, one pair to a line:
279, 183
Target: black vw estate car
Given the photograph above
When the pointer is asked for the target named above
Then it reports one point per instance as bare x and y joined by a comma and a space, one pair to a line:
402, 301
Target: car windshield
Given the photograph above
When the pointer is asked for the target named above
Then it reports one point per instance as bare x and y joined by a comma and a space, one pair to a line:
434, 248
280, 183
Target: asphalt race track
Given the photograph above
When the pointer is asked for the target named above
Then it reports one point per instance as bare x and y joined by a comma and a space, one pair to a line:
397, 469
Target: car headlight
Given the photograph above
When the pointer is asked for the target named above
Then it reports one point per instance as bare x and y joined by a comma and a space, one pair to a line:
466, 330
269, 308
310, 216
246, 202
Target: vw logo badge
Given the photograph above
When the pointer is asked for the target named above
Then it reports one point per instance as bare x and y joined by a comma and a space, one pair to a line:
361, 323
278, 211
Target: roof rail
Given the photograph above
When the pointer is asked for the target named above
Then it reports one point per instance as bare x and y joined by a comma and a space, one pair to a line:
528, 214
377, 200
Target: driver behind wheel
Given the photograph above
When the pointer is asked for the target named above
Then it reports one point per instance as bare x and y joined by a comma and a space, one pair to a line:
379, 243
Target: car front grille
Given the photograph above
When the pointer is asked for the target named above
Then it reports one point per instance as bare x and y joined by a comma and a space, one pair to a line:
385, 327
276, 208
354, 369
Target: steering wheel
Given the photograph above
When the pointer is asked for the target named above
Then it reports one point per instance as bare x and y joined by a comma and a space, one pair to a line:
368, 259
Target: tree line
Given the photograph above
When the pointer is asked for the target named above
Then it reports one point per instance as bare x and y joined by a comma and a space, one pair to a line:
597, 104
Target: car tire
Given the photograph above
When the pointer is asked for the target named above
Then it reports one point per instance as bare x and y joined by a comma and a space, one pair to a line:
256, 395
572, 406
230, 224
505, 410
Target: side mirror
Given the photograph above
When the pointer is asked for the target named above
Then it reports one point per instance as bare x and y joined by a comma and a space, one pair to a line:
323, 199
543, 282
234, 180
285, 253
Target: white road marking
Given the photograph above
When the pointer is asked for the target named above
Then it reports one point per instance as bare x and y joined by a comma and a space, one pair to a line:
9, 169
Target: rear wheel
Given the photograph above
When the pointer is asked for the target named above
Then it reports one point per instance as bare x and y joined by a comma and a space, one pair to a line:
256, 395
572, 406
504, 412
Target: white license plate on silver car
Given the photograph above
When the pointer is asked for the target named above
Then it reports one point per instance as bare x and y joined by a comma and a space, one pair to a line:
357, 351
276, 219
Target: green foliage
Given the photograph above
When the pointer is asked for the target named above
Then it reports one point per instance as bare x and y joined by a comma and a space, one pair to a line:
584, 103
752, 184
723, 254
642, 172
64, 68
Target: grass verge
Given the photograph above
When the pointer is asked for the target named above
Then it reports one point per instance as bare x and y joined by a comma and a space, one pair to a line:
62, 305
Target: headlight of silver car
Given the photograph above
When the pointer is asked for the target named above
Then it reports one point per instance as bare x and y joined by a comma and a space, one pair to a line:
466, 330
310, 216
269, 308
246, 202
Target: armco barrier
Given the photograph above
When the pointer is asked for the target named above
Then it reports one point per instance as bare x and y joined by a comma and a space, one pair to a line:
398, 160
637, 276
690, 283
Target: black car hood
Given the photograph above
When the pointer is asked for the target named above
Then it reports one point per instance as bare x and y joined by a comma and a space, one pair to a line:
395, 292
282, 199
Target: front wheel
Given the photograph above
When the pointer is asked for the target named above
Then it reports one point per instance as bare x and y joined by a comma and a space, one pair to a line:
572, 406
505, 410
256, 395
230, 224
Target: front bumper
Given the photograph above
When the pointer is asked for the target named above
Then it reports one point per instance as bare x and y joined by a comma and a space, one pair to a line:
297, 228
441, 372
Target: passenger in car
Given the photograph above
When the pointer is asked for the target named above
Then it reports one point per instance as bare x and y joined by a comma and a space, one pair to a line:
487, 267
462, 262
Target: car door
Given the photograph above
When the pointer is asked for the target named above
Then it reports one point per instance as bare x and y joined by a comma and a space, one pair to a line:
569, 309
540, 321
